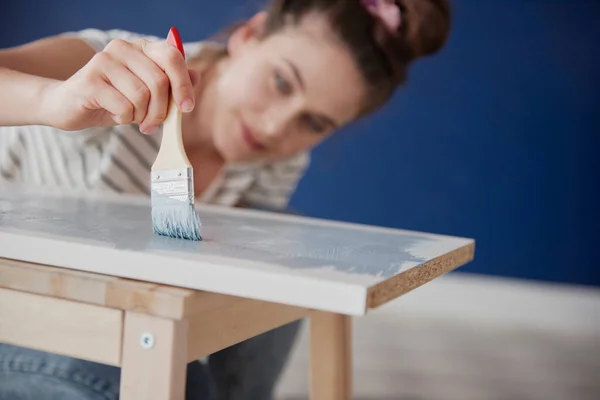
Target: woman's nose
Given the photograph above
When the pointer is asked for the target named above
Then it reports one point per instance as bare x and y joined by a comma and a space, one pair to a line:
275, 125
278, 121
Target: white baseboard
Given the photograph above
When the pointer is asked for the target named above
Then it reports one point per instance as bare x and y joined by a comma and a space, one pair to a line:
472, 337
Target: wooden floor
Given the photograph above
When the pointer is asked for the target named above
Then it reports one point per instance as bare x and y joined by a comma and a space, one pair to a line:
517, 342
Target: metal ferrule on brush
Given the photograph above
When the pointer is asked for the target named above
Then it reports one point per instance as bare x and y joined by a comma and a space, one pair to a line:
172, 197
174, 184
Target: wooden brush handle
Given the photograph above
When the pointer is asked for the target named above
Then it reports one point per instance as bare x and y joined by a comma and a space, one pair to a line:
171, 154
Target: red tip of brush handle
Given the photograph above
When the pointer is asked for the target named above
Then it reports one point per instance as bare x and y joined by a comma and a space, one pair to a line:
175, 40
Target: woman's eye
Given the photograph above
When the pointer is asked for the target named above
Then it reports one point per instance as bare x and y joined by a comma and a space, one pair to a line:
282, 85
314, 125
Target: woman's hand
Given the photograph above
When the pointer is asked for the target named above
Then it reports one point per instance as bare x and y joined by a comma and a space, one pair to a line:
125, 83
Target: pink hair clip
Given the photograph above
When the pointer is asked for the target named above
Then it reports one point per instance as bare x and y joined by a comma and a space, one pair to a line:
387, 11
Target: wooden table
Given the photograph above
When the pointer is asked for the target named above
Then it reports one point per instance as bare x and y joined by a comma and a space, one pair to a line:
86, 277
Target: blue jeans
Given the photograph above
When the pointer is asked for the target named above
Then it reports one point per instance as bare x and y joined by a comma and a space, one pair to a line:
247, 370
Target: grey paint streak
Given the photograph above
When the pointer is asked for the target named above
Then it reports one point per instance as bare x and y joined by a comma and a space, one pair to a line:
298, 246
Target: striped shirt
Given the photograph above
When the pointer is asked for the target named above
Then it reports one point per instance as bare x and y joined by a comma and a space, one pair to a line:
118, 159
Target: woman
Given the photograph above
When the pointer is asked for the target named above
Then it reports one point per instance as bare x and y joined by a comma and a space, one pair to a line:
83, 110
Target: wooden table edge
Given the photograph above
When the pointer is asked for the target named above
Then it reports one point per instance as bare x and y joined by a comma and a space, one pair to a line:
411, 279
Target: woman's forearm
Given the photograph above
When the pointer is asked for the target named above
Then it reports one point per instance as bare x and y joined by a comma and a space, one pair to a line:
21, 98
27, 70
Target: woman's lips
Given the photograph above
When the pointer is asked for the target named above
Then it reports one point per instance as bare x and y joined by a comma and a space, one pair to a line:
250, 139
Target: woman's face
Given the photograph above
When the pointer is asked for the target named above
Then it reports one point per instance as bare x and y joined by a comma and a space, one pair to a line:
285, 93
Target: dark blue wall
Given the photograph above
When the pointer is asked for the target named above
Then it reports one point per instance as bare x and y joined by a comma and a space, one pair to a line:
496, 138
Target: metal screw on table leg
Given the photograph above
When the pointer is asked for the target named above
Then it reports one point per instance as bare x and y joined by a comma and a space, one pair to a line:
147, 341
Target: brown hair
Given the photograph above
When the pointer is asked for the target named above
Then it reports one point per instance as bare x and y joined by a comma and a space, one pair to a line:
383, 57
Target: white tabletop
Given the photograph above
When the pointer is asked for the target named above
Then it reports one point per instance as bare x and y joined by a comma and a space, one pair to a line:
292, 260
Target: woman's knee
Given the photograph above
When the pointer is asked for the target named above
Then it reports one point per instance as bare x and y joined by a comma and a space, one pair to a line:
27, 374
30, 374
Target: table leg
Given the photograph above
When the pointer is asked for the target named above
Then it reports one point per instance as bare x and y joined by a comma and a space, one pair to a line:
331, 356
154, 358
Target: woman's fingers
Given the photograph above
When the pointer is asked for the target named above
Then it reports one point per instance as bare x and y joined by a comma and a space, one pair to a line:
114, 102
133, 82
171, 61
163, 70
153, 77
101, 90
132, 87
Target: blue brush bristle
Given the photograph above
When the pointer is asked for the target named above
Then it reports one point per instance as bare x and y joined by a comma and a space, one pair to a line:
177, 221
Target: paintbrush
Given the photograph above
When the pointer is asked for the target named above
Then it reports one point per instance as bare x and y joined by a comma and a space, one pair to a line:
172, 176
